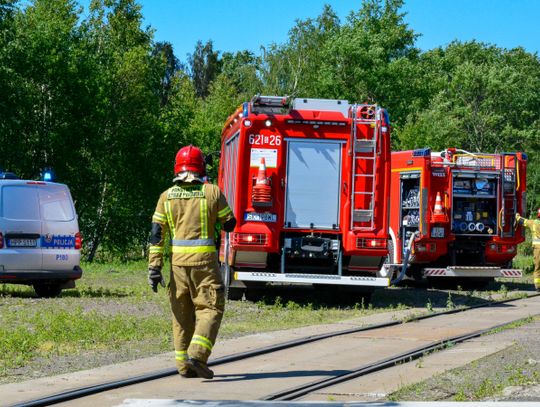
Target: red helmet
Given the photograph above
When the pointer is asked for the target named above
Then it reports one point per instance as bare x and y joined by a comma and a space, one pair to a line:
189, 158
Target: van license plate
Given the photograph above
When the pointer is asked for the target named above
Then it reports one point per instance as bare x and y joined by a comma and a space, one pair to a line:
22, 242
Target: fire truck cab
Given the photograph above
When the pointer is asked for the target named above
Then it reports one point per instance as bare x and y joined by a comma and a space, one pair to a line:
455, 211
307, 180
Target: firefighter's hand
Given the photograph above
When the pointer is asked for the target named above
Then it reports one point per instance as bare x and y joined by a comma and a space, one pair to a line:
155, 278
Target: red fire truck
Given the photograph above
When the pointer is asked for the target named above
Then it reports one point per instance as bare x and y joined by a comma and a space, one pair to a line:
452, 214
307, 180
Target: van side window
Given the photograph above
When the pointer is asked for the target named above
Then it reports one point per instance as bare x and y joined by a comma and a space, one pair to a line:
20, 202
55, 204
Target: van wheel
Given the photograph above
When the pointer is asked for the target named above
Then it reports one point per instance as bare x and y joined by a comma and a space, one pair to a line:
48, 290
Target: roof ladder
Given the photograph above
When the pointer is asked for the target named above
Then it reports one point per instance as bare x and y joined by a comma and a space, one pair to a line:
364, 150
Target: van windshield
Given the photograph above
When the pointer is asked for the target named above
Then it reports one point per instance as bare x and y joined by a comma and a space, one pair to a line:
55, 203
20, 202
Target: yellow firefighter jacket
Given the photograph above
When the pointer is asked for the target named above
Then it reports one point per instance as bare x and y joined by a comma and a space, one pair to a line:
534, 225
189, 212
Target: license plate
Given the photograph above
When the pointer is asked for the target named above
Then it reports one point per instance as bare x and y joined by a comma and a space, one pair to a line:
22, 242
437, 232
260, 217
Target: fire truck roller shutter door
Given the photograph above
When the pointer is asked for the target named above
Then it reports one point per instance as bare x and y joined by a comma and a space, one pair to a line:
313, 184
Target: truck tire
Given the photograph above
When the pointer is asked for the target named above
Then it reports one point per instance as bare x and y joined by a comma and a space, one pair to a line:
48, 290
234, 293
231, 293
255, 291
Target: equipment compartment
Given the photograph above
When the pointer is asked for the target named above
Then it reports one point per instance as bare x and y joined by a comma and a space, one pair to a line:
474, 209
410, 205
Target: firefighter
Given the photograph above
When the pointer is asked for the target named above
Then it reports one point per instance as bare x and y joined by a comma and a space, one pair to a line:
534, 225
189, 211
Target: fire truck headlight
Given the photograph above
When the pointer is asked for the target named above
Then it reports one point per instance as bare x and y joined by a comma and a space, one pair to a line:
247, 123
268, 123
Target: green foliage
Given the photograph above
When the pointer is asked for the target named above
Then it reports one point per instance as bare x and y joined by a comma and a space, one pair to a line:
95, 97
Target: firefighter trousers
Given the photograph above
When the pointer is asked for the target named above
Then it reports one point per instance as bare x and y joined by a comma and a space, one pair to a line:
197, 302
536, 254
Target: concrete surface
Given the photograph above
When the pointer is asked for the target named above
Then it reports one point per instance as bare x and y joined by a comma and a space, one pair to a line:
257, 377
233, 403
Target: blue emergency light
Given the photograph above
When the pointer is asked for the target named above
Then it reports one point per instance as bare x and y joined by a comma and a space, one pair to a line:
47, 174
422, 152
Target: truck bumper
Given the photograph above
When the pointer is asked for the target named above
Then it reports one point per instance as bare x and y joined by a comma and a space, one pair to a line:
292, 278
462, 271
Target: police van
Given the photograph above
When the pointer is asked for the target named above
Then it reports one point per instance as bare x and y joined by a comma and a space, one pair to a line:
40, 243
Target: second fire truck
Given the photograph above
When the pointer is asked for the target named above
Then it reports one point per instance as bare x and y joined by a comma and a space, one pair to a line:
308, 181
452, 213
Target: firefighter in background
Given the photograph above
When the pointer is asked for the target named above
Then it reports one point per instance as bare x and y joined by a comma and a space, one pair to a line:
189, 211
534, 225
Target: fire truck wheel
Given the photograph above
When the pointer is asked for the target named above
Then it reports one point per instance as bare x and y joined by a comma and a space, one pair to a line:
231, 293
475, 283
254, 292
234, 293
344, 294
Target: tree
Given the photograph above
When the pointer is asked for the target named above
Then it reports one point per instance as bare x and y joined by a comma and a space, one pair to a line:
168, 64
204, 66
293, 68
372, 58
242, 69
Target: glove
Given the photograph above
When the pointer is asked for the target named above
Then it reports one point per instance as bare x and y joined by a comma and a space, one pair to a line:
519, 219
155, 278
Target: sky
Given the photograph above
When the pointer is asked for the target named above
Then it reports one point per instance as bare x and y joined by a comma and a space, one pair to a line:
235, 25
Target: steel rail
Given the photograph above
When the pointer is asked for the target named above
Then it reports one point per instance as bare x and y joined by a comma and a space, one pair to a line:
295, 393
102, 387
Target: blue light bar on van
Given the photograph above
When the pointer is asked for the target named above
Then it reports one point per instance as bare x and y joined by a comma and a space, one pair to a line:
47, 175
422, 152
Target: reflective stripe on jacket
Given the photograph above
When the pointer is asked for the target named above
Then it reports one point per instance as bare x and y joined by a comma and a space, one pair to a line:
190, 213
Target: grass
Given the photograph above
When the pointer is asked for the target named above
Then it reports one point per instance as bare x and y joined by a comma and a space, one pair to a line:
113, 309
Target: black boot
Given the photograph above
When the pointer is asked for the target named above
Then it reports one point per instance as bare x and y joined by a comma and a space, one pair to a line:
188, 374
200, 368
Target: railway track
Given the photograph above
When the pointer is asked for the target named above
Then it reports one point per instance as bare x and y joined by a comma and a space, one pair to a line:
300, 391
87, 395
